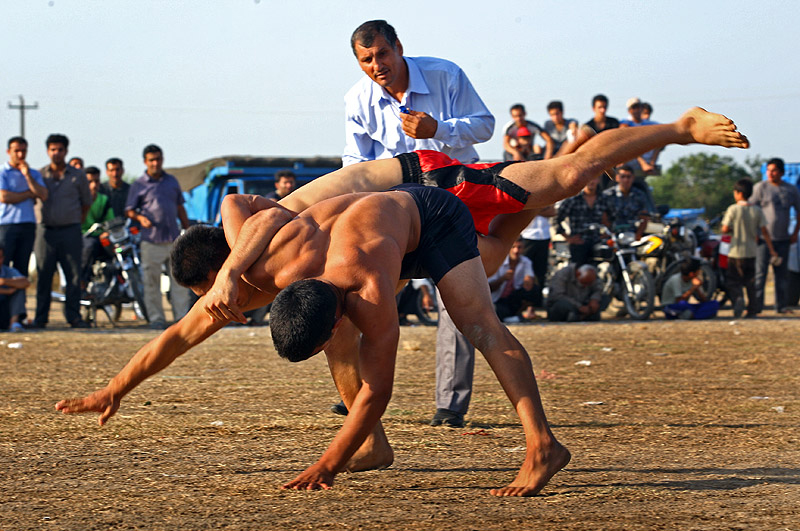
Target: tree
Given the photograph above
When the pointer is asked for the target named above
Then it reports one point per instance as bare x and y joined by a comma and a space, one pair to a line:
700, 180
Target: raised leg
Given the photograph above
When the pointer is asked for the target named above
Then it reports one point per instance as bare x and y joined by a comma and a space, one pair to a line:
342, 353
466, 291
370, 176
555, 179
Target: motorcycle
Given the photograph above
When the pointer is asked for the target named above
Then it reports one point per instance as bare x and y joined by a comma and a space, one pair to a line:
665, 252
623, 276
116, 277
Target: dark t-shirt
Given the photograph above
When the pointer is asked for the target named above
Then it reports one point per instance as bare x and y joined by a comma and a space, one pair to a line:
611, 123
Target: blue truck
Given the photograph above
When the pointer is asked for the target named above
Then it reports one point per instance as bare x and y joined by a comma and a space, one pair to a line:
205, 184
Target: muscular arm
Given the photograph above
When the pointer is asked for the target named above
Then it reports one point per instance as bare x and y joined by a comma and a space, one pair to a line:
374, 311
250, 222
149, 360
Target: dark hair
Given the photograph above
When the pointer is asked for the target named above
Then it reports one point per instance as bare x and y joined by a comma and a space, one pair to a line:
692, 265
18, 140
115, 161
57, 139
626, 167
284, 173
365, 34
745, 187
92, 170
778, 162
151, 148
600, 97
517, 107
647, 107
557, 105
196, 252
302, 317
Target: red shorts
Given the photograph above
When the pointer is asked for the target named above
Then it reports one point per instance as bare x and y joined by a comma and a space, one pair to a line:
479, 186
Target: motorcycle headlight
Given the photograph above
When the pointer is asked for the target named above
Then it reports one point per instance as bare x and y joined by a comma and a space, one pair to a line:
626, 238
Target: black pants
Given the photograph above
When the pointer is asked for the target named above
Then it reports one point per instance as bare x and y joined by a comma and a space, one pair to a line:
58, 245
563, 310
511, 305
538, 251
741, 276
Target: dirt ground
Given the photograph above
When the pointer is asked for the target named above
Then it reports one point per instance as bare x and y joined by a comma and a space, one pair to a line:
673, 426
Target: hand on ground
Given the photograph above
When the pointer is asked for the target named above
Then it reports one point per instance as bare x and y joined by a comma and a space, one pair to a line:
313, 478
103, 402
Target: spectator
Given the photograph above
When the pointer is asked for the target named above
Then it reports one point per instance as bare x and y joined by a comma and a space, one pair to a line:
511, 136
582, 210
536, 247
600, 122
645, 164
627, 203
285, 183
99, 211
679, 290
559, 129
512, 286
647, 111
576, 294
116, 189
744, 222
58, 236
12, 296
444, 113
156, 202
20, 187
776, 198
76, 162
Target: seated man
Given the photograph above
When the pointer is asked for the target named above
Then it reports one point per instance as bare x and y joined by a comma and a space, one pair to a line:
576, 294
681, 287
253, 274
513, 287
12, 296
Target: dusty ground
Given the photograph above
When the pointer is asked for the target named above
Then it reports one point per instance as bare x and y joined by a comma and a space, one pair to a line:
680, 441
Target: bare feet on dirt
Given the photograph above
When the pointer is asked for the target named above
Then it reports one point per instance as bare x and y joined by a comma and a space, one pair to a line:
536, 471
712, 129
375, 453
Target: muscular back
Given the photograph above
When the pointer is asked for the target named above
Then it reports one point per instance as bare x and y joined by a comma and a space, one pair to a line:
349, 241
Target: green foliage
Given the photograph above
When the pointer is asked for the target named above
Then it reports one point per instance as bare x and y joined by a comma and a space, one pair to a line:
701, 180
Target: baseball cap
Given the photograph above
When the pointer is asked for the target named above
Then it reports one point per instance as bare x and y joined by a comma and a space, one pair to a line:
523, 131
632, 102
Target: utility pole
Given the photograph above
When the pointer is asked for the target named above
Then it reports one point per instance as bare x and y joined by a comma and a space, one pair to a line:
22, 108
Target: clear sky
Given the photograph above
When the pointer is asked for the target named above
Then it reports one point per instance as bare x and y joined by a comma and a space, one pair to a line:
205, 78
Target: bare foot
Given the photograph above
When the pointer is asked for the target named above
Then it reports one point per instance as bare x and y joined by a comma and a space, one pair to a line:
536, 471
712, 129
375, 453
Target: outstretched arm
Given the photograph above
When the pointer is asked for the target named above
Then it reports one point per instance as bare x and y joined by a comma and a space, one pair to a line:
374, 312
250, 222
152, 358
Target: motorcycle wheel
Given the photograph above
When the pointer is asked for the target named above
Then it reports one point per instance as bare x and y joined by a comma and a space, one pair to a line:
641, 299
709, 278
427, 318
137, 286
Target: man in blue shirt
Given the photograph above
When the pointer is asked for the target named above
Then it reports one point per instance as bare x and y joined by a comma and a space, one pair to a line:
20, 186
415, 103
155, 200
